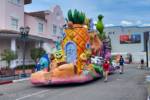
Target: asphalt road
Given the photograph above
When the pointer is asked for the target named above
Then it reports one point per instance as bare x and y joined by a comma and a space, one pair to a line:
128, 86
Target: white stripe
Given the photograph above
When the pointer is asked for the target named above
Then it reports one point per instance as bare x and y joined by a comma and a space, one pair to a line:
34, 94
14, 81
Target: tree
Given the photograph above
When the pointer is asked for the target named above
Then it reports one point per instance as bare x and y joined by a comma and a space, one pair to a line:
8, 56
37, 53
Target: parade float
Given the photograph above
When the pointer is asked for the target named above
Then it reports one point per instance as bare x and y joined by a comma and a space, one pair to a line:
81, 55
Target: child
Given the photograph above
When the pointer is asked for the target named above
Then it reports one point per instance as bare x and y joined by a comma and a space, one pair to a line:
106, 70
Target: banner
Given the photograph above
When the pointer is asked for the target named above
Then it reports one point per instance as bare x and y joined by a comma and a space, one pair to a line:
128, 39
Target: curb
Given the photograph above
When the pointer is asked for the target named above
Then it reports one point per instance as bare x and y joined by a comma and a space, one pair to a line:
14, 81
6, 82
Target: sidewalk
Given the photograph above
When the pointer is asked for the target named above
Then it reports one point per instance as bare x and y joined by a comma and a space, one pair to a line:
11, 79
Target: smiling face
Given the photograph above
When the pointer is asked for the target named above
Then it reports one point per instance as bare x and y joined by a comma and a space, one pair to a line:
59, 54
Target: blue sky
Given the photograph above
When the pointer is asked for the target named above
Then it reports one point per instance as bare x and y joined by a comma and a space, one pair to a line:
116, 12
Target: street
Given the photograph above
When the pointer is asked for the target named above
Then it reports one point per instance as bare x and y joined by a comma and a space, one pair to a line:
127, 86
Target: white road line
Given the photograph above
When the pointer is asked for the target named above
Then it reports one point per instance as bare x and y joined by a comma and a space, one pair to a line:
33, 94
20, 80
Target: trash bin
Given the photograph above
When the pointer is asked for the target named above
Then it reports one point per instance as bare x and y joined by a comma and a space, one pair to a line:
148, 86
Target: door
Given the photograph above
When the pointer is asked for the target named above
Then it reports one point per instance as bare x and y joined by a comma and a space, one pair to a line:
71, 52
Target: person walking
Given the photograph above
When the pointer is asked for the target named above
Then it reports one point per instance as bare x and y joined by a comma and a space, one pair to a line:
142, 63
106, 70
121, 62
37, 65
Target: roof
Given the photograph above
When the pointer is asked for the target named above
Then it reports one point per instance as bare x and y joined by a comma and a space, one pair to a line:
128, 27
16, 34
39, 14
27, 1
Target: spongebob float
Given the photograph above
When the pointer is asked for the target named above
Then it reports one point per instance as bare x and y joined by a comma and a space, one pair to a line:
78, 60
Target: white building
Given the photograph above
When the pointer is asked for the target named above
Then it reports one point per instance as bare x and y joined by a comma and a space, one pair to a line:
137, 49
45, 29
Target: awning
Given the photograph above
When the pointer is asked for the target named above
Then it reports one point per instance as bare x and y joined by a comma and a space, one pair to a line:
15, 34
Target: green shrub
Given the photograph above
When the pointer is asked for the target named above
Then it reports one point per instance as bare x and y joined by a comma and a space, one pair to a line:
8, 56
26, 67
37, 53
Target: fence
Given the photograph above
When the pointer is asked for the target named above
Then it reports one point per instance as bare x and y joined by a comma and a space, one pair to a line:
16, 63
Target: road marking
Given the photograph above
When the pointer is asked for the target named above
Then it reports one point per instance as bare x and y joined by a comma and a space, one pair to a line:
20, 80
34, 94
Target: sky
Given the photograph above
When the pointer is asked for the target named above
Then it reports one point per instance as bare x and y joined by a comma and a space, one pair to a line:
115, 12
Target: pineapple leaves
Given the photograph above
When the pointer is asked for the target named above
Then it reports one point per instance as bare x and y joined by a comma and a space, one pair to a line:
76, 17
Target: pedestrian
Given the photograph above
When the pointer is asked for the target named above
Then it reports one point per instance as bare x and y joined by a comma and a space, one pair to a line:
37, 65
106, 70
121, 63
142, 63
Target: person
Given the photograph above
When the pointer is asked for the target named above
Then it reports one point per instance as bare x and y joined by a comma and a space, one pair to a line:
37, 65
121, 63
106, 70
142, 63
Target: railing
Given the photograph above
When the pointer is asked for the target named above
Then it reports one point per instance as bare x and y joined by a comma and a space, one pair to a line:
3, 64
16, 62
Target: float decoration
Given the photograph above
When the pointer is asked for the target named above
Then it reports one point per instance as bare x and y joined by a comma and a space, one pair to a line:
79, 59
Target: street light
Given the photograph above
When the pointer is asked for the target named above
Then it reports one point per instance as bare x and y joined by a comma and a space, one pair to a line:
24, 35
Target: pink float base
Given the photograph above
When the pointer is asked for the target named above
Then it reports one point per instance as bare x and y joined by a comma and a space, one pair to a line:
57, 81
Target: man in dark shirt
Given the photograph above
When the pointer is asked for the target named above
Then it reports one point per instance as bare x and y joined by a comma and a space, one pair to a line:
121, 62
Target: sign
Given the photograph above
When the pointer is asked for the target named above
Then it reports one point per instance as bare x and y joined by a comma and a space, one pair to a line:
130, 39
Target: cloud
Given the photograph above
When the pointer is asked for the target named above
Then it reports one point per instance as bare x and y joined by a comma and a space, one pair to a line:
117, 12
126, 23
145, 24
108, 25
138, 22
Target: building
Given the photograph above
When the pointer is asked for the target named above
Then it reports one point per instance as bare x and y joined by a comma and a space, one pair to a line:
45, 29
128, 39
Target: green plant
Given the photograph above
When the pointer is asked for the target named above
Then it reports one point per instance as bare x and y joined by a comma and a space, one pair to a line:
100, 27
26, 67
76, 17
37, 53
8, 56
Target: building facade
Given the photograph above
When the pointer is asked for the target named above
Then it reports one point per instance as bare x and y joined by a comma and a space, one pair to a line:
129, 39
45, 29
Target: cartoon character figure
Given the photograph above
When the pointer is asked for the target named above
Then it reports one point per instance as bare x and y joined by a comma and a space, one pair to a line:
44, 62
59, 57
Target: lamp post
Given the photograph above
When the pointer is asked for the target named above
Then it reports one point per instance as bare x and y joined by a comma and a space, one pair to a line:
146, 38
24, 35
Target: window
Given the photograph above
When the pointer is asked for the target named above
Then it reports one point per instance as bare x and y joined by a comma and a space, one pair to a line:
61, 30
18, 2
111, 33
54, 29
40, 28
14, 23
57, 14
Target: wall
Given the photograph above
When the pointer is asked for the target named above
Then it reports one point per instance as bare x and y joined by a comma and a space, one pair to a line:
15, 11
54, 19
136, 49
2, 14
32, 22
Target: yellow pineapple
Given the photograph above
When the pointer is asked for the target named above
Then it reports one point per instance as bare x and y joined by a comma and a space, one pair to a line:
78, 35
